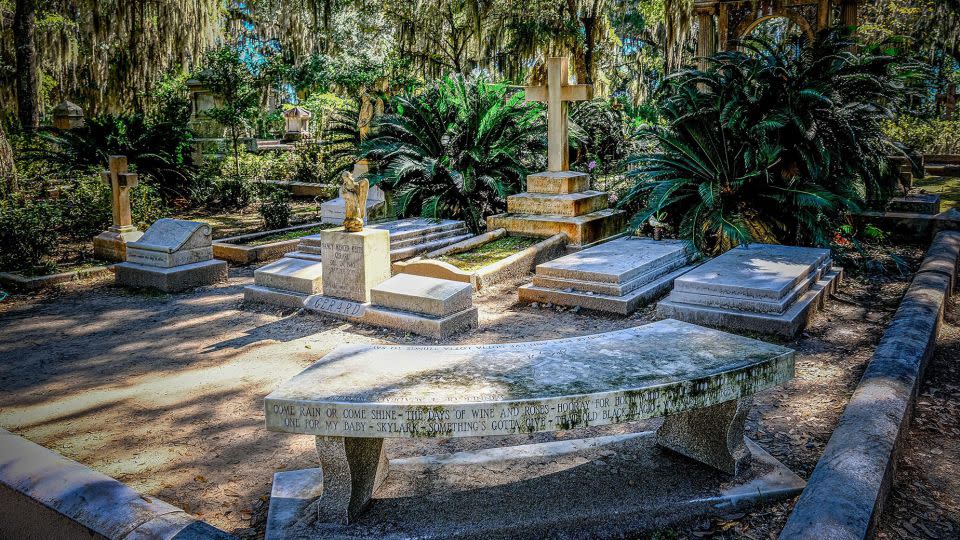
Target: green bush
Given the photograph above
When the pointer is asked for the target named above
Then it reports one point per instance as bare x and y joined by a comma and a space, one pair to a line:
925, 136
28, 234
601, 138
457, 149
772, 143
232, 192
274, 207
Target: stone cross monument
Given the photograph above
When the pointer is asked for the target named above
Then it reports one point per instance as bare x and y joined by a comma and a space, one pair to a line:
559, 200
111, 244
556, 94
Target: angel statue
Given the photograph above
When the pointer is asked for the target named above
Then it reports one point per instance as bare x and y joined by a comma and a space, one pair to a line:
354, 195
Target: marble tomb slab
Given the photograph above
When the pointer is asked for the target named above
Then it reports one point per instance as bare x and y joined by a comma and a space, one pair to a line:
425, 295
172, 242
617, 276
769, 289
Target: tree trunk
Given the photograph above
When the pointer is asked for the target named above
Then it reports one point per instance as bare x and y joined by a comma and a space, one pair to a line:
24, 26
589, 26
8, 168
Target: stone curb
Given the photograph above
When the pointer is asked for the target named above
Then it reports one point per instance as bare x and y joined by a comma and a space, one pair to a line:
45, 495
845, 495
22, 283
232, 249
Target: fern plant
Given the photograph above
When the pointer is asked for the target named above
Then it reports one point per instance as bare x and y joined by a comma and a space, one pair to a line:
773, 143
456, 150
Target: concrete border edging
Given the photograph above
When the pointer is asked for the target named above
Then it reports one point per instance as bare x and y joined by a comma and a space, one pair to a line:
845, 495
45, 495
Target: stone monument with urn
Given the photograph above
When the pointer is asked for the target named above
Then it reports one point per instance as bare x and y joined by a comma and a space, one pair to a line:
111, 245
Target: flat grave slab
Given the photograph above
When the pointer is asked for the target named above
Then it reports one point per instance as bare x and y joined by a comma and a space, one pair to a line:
425, 295
761, 288
701, 380
617, 276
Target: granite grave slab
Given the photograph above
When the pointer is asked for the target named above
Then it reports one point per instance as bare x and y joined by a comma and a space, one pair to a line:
617, 276
758, 287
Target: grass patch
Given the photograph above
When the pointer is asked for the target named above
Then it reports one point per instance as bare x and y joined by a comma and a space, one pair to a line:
289, 235
946, 186
489, 253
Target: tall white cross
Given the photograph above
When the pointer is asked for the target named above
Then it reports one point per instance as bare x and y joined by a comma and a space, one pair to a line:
556, 94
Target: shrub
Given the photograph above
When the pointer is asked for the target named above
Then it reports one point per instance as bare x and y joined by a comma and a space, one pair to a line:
925, 136
232, 192
456, 150
601, 138
771, 144
28, 233
274, 207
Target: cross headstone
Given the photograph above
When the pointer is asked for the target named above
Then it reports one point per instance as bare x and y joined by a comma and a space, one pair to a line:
120, 182
556, 94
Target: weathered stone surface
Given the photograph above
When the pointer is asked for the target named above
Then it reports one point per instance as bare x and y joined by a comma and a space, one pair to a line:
460, 391
334, 210
850, 483
943, 257
295, 275
617, 261
761, 288
788, 324
424, 295
617, 276
755, 271
353, 468
711, 435
170, 235
176, 279
291, 495
572, 204
45, 495
582, 230
408, 238
354, 262
163, 259
424, 325
558, 182
545, 490
255, 294
916, 203
111, 245
620, 304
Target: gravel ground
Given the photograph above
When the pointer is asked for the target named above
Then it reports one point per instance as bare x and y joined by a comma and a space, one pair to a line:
164, 392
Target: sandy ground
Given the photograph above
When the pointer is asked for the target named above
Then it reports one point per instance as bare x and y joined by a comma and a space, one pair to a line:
164, 392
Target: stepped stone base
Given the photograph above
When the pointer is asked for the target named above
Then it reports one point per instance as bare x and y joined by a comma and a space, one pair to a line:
111, 245
255, 294
432, 307
611, 303
582, 230
570, 205
176, 279
787, 324
919, 203
295, 275
558, 183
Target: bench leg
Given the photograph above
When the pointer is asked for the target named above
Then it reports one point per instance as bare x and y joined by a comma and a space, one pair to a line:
712, 435
353, 468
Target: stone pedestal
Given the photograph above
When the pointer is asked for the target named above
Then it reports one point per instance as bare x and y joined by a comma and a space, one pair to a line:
354, 263
111, 244
560, 202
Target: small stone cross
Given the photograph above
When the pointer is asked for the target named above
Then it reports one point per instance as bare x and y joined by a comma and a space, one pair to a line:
120, 182
557, 92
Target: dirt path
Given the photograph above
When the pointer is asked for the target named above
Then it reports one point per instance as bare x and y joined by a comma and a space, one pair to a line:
164, 392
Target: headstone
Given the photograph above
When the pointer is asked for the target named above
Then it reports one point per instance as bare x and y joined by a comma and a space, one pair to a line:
110, 245
354, 262
334, 210
617, 276
769, 289
173, 255
559, 200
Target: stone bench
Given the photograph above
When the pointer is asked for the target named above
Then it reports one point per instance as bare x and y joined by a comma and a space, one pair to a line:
701, 380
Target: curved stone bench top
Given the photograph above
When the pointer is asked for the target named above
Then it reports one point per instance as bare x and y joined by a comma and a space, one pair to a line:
460, 391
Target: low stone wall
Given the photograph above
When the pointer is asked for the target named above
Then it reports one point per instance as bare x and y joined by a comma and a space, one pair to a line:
911, 227
23, 283
514, 267
231, 249
845, 495
45, 495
